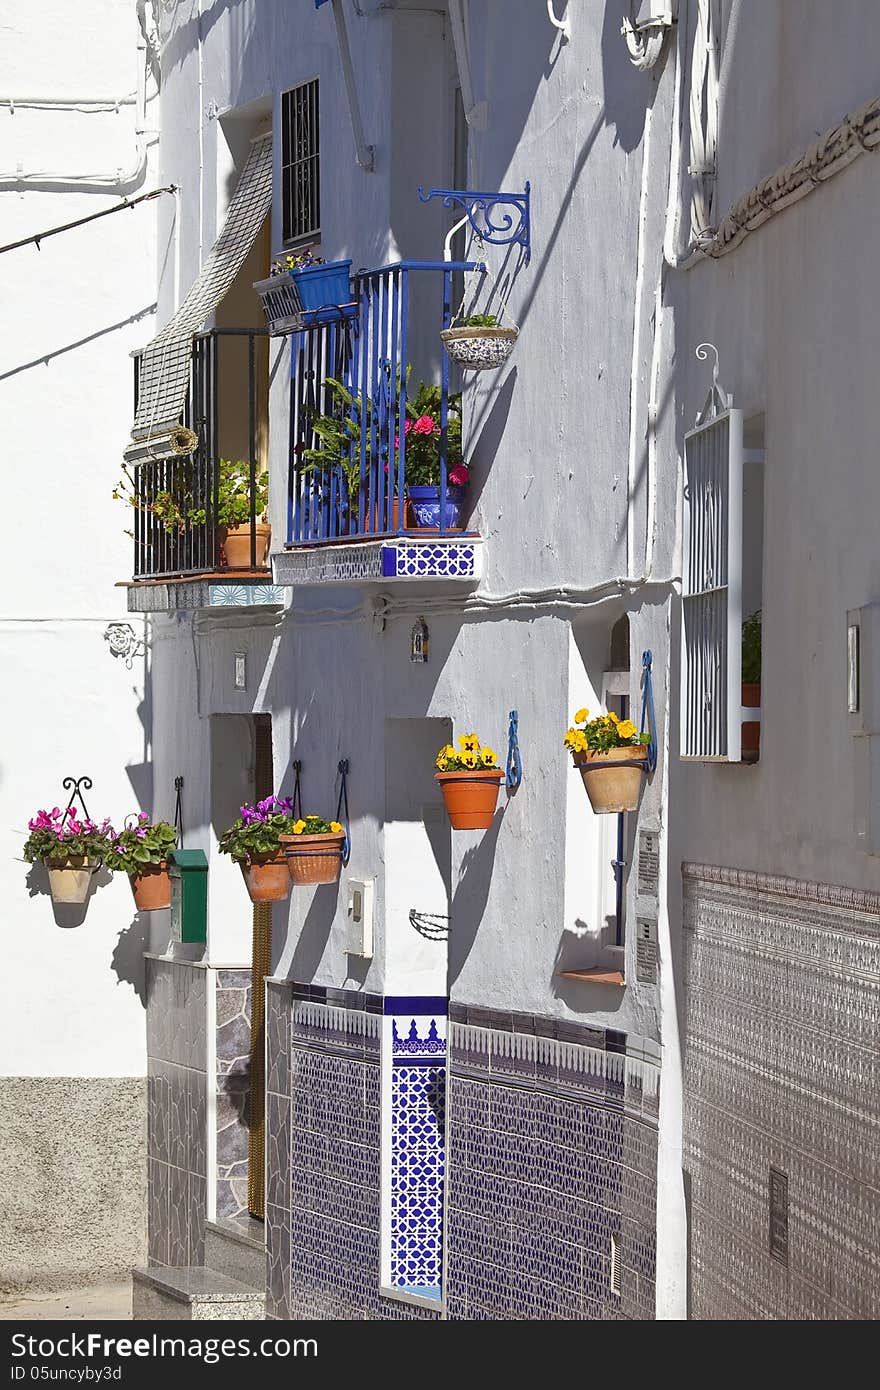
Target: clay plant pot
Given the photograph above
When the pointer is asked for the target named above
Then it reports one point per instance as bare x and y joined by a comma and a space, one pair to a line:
613, 788
69, 882
470, 798
151, 887
314, 858
751, 728
236, 544
266, 877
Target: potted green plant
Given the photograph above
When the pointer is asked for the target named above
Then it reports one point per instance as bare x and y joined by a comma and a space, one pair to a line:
71, 849
611, 756
478, 343
422, 458
314, 850
141, 850
234, 513
751, 685
339, 434
469, 778
254, 842
320, 285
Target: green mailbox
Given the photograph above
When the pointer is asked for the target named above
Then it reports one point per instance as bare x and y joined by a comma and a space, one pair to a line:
189, 895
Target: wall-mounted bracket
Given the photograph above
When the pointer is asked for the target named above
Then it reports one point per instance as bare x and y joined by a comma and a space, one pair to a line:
485, 213
74, 785
342, 805
514, 760
648, 709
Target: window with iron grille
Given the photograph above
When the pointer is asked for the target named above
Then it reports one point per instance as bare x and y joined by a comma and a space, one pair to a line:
300, 162
715, 582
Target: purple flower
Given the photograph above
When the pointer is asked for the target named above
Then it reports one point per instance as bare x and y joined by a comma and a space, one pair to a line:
141, 834
143, 816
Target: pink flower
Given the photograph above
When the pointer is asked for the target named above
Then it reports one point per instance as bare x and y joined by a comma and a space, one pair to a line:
425, 425
459, 476
407, 427
143, 816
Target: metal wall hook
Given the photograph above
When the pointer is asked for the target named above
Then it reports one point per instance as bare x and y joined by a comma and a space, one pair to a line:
76, 783
648, 708
296, 799
178, 810
563, 25
343, 803
514, 758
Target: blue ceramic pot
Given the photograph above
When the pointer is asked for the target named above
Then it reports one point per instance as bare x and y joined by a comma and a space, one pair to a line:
426, 506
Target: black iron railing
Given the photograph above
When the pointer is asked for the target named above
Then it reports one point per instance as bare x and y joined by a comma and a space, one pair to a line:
179, 508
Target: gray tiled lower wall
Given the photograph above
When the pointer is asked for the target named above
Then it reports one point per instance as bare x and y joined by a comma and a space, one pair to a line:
233, 1011
176, 1113
552, 1146
781, 1071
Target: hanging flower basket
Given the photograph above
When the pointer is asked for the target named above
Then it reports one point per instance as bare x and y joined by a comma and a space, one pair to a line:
266, 877
151, 887
612, 757
479, 349
314, 850
469, 780
70, 882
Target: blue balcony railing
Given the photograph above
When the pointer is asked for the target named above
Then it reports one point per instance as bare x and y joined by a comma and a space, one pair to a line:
361, 489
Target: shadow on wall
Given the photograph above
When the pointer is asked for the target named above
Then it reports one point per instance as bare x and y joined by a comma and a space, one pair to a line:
470, 897
127, 961
315, 933
580, 995
485, 445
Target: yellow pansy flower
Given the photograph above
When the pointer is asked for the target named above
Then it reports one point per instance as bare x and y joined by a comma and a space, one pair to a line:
298, 827
582, 716
490, 758
469, 742
335, 827
613, 717
469, 758
442, 762
627, 729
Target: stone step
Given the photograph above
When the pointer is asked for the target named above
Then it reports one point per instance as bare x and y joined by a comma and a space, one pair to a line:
192, 1293
236, 1246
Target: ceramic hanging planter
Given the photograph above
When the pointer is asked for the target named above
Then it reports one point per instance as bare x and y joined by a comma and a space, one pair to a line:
469, 779
613, 780
314, 858
266, 877
151, 887
479, 349
69, 883
612, 758
470, 798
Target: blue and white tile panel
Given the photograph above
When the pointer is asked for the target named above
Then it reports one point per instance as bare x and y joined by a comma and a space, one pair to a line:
414, 1159
379, 561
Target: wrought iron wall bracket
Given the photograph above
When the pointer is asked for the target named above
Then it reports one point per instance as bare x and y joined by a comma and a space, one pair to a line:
513, 775
342, 805
74, 786
486, 216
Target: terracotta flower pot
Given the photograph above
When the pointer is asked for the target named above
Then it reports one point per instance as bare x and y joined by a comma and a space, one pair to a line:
751, 728
266, 877
69, 882
314, 858
613, 788
470, 797
236, 543
151, 887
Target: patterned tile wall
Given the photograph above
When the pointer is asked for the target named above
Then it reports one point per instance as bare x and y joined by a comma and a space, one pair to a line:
552, 1136
233, 996
176, 1120
414, 1201
552, 1151
781, 1070
323, 1155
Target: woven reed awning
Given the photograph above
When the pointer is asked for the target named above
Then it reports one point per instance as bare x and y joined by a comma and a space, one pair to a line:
165, 365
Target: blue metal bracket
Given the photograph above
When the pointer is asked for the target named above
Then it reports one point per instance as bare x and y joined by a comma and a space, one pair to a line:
343, 802
504, 228
514, 760
648, 708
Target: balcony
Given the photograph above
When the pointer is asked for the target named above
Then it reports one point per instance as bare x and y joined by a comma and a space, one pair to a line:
197, 518
362, 456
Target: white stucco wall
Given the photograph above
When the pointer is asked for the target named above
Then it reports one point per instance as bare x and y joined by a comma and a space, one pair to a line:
72, 312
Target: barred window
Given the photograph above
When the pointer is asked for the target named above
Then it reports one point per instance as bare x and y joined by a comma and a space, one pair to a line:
300, 162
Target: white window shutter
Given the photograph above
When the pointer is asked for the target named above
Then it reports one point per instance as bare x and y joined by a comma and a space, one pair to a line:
711, 645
